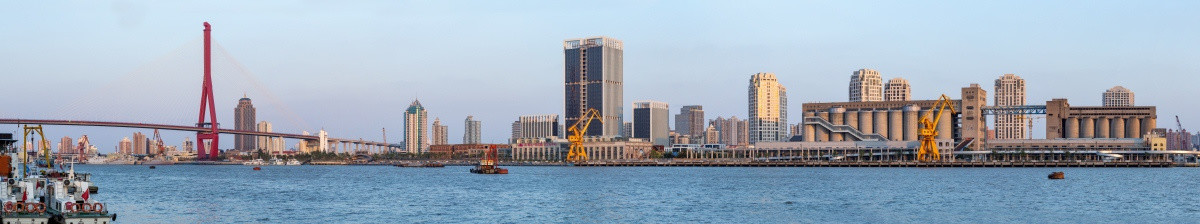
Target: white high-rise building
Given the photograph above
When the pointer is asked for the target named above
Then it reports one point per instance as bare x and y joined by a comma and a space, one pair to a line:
866, 85
768, 109
536, 126
897, 89
471, 131
416, 133
1118, 96
1010, 91
439, 132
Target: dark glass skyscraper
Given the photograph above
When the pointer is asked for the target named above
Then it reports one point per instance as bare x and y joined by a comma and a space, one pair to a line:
594, 76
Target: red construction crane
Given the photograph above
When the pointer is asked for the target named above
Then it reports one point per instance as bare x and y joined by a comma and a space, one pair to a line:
158, 142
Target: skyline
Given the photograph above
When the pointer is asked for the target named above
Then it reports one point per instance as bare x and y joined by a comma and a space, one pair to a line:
704, 62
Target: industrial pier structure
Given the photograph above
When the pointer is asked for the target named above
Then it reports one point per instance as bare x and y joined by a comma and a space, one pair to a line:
888, 131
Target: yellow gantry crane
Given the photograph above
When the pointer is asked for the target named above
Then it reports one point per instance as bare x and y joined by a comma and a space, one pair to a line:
929, 151
577, 154
45, 145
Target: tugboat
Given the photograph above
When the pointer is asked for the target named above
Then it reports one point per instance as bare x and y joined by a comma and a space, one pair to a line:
1056, 176
487, 165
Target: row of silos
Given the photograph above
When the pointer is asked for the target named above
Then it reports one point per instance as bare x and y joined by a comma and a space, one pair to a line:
1107, 127
897, 124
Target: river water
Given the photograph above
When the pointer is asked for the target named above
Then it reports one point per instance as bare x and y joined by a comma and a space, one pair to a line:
384, 194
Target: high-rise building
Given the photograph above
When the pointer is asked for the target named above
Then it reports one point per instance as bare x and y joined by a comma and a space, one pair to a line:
189, 146
536, 126
416, 135
516, 131
594, 80
439, 132
1118, 96
139, 143
66, 145
732, 131
263, 143
244, 120
125, 147
650, 121
711, 135
768, 109
1010, 91
471, 131
627, 129
866, 85
897, 89
690, 121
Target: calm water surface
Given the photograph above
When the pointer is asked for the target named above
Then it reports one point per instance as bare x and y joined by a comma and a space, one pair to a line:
378, 194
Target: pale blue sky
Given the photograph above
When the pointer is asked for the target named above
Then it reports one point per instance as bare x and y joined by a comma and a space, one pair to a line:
352, 67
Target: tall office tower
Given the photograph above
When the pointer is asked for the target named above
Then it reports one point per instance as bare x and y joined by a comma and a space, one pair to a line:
416, 135
537, 126
125, 147
263, 143
897, 89
139, 143
650, 121
594, 76
66, 145
471, 131
439, 132
1010, 91
865, 86
243, 120
690, 121
1118, 96
768, 109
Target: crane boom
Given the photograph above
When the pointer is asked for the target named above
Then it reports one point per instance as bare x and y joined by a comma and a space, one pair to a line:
929, 151
578, 130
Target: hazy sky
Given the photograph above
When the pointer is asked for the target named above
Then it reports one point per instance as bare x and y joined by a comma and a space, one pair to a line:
352, 67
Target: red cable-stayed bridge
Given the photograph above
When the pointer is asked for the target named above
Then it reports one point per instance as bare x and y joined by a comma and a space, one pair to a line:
208, 132
189, 129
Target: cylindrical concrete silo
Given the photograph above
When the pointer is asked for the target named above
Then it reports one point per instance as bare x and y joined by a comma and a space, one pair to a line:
1072, 127
910, 122
1088, 128
866, 122
1102, 127
1118, 128
880, 125
896, 125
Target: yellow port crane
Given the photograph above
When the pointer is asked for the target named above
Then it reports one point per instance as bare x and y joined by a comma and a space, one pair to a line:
577, 154
929, 151
43, 144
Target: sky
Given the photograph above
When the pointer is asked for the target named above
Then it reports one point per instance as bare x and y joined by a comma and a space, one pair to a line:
352, 67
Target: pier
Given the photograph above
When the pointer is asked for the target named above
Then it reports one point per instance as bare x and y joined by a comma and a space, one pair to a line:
876, 164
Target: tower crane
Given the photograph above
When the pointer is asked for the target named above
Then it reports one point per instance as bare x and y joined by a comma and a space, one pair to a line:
578, 130
1179, 124
929, 151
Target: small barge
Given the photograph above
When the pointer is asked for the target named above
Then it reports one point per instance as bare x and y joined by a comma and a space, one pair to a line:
487, 165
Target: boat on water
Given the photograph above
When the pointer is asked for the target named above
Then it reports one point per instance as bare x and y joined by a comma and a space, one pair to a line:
293, 162
487, 165
43, 194
255, 162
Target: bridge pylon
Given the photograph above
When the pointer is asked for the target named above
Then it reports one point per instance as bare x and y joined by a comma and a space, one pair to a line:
207, 151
